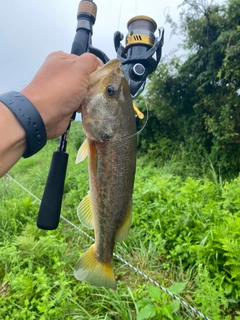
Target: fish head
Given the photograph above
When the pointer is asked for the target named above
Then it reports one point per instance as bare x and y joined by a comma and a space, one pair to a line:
105, 104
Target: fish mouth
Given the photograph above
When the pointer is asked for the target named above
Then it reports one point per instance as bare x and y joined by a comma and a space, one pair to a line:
98, 136
99, 130
105, 137
101, 138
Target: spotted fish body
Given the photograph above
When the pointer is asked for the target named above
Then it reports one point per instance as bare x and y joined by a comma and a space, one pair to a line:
108, 121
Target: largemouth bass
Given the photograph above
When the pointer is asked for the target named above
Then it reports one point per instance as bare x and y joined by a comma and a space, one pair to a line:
108, 121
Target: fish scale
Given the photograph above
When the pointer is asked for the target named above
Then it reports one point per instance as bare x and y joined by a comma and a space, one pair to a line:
108, 121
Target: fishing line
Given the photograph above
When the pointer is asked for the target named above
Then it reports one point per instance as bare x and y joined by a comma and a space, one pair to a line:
144, 275
139, 131
120, 13
124, 138
166, 12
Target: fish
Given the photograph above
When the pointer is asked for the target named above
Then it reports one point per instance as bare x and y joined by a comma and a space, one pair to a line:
108, 121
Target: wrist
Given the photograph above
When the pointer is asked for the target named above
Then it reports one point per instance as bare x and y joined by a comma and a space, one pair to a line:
29, 118
13, 143
13, 131
41, 103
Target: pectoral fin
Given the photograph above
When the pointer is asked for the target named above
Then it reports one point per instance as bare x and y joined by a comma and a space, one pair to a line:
123, 230
84, 212
82, 152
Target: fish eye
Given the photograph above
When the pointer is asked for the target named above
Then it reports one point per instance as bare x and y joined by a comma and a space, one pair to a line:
110, 90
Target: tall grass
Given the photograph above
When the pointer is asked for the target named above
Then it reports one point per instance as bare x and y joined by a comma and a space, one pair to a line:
174, 238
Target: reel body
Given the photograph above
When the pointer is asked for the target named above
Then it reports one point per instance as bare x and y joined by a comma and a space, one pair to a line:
142, 51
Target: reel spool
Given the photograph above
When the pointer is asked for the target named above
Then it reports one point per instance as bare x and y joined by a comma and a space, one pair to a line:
141, 31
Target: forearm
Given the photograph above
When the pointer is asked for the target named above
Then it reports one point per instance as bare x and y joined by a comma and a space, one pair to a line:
13, 139
48, 102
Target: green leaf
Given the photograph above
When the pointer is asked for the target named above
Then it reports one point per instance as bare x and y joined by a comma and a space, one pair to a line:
147, 312
175, 306
154, 292
167, 311
176, 288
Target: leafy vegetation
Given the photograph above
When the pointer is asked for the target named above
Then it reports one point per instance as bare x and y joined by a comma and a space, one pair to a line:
193, 100
184, 235
185, 232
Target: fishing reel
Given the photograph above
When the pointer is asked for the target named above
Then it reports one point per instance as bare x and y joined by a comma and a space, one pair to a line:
142, 51
139, 57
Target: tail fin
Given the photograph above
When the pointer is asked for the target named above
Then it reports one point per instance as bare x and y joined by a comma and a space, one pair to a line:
97, 273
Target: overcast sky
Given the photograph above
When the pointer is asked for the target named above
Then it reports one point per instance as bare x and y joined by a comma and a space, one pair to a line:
31, 29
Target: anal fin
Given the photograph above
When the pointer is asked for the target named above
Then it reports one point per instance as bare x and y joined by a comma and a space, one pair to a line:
84, 212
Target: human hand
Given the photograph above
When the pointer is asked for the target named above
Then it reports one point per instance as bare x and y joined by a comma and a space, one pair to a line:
59, 87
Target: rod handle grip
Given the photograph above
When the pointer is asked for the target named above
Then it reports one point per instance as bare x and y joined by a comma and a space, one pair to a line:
50, 207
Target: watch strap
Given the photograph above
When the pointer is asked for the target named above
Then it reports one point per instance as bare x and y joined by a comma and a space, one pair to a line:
30, 119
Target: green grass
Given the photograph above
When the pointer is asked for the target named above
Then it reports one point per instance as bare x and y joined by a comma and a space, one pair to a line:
185, 235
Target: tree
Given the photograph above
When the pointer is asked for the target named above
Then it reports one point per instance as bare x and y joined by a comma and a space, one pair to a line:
195, 103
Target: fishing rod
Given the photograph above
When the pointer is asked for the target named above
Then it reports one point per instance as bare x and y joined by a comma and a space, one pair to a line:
139, 58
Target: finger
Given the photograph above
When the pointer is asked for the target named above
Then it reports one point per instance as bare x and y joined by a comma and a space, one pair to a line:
88, 63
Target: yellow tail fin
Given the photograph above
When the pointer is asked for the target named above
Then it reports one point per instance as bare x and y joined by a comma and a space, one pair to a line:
90, 270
